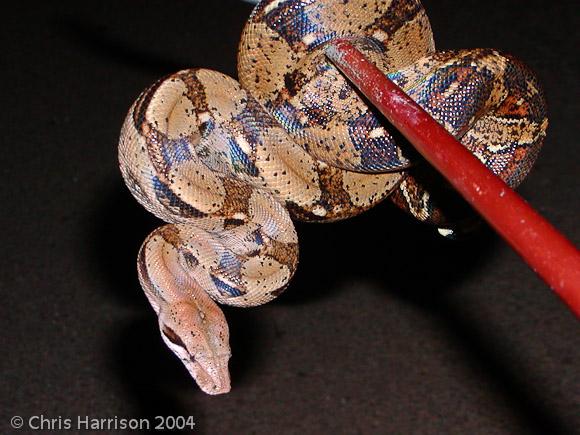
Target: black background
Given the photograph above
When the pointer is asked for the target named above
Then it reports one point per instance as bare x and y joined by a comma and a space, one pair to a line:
386, 328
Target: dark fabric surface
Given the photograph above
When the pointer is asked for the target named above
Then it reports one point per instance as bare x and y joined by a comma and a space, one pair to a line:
386, 328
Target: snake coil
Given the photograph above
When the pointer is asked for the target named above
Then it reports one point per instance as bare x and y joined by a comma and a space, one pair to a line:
228, 164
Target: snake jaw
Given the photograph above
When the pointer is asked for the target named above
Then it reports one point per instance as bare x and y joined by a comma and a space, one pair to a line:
211, 374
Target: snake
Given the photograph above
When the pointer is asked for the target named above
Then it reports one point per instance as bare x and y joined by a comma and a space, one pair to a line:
228, 165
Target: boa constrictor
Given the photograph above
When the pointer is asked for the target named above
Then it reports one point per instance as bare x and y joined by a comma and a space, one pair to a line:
228, 164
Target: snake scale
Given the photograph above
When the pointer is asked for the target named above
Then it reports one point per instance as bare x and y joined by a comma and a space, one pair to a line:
228, 164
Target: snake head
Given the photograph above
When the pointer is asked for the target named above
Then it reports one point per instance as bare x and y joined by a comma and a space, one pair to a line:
200, 339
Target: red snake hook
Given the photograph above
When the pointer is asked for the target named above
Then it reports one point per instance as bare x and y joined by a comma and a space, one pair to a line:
553, 257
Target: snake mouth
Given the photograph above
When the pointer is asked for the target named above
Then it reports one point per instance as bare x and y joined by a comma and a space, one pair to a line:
212, 374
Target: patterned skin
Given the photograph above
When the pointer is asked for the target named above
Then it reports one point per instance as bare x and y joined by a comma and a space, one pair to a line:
228, 164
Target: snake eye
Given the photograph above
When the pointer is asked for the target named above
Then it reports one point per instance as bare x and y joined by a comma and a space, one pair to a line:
173, 337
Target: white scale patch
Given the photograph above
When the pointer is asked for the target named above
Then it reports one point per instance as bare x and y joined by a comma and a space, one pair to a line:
380, 35
309, 39
377, 132
445, 232
319, 211
203, 117
272, 6
244, 145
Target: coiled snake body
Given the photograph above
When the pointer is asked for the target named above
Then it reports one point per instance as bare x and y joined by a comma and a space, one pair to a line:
228, 164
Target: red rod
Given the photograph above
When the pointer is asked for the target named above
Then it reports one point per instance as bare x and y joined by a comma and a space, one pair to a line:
553, 257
